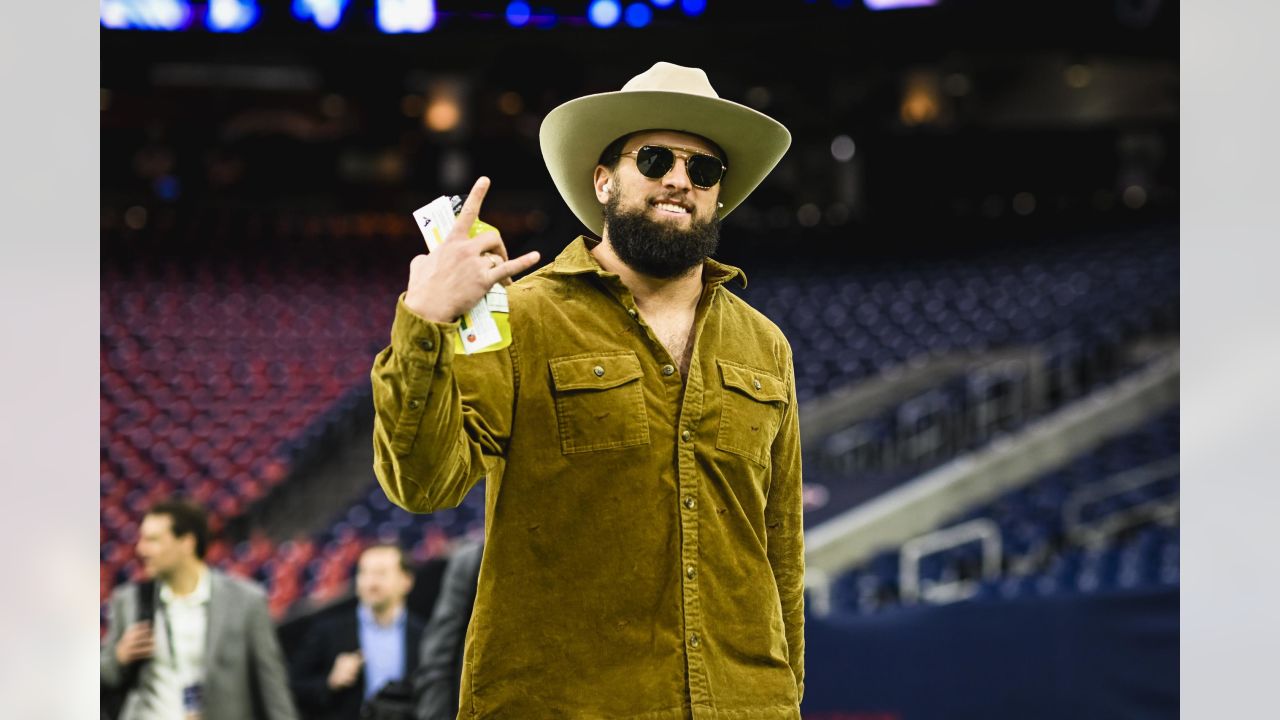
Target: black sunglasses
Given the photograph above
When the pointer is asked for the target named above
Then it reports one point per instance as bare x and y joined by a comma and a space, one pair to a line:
655, 161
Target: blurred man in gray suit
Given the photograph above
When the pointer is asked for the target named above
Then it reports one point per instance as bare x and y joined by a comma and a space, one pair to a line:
191, 643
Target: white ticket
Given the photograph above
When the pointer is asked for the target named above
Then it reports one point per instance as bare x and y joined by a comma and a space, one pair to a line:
478, 328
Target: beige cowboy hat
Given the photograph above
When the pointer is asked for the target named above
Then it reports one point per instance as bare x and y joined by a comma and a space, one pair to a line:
664, 97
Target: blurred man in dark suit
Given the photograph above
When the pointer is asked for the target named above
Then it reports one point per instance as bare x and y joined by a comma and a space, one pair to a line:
345, 660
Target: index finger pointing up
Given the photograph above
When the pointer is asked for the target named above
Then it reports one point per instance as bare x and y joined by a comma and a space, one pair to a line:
471, 208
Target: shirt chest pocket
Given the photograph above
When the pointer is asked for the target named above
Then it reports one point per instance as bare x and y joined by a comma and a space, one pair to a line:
753, 402
599, 401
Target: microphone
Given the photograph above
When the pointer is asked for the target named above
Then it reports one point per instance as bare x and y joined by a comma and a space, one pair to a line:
147, 601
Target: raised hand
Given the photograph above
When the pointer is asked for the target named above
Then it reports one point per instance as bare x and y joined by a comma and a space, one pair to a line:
346, 668
136, 643
453, 278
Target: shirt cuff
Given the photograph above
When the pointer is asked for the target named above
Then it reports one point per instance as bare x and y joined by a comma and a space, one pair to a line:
421, 340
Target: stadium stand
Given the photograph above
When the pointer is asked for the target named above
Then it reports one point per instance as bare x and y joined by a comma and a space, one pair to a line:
1082, 299
1106, 521
222, 380
218, 382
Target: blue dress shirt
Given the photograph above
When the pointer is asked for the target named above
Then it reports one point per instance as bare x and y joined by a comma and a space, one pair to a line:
383, 649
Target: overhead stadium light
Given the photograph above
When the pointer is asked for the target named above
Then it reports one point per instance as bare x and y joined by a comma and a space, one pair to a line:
604, 13
518, 13
405, 16
693, 7
325, 13
638, 15
231, 16
843, 148
897, 4
144, 14
443, 114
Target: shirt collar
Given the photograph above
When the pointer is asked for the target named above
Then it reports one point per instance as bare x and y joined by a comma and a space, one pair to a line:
364, 614
198, 597
577, 259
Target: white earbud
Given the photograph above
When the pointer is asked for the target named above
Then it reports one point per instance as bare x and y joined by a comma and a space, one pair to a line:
606, 187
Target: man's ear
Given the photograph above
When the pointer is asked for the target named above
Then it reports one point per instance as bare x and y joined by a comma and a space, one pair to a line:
603, 182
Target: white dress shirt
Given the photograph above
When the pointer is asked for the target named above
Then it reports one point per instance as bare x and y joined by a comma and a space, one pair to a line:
180, 632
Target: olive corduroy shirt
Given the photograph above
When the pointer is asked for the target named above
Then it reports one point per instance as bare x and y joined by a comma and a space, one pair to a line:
644, 553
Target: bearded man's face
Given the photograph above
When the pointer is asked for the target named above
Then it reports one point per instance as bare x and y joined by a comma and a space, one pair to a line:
666, 227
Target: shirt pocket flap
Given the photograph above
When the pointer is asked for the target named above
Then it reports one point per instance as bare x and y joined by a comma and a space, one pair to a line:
595, 371
755, 384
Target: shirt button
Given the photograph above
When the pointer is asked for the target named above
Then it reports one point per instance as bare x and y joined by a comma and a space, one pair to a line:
427, 344
668, 370
690, 503
690, 571
599, 371
694, 640
686, 435
755, 382
414, 404
632, 312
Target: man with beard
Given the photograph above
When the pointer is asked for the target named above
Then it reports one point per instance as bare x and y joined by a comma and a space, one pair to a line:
644, 548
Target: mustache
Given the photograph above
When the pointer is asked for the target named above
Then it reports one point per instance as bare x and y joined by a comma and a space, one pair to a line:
681, 200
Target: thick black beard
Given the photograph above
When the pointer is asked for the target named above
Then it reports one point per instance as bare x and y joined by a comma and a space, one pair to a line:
658, 249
